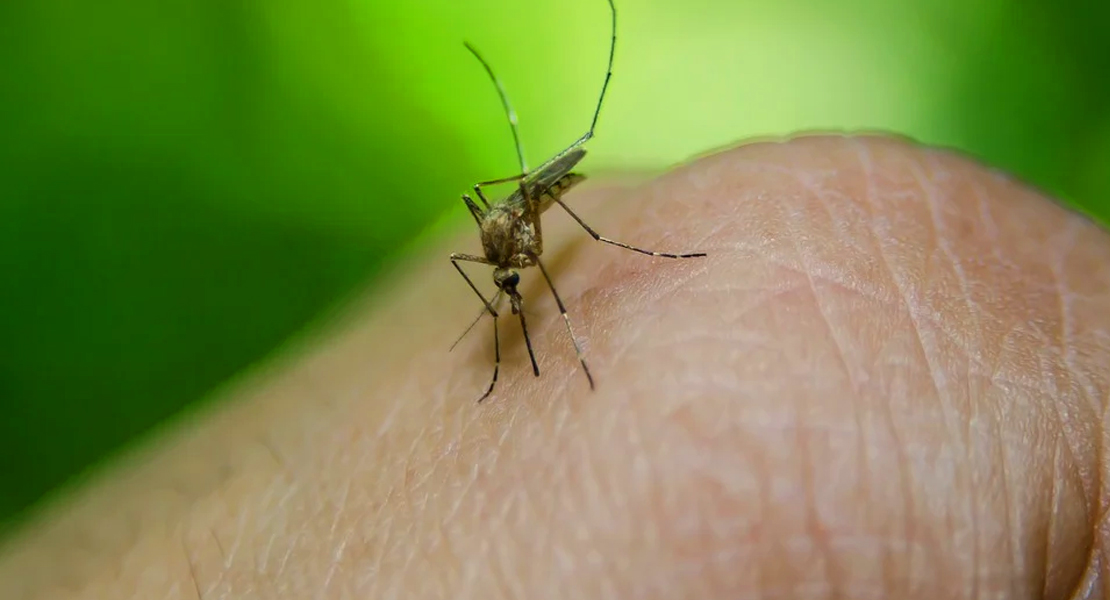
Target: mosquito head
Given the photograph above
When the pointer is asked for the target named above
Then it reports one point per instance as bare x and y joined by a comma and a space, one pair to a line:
507, 280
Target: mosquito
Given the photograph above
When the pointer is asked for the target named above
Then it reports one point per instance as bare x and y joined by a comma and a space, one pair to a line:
510, 229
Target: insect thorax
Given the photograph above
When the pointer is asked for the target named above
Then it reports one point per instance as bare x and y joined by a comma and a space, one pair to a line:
510, 236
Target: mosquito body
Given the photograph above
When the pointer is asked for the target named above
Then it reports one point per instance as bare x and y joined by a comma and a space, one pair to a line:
511, 232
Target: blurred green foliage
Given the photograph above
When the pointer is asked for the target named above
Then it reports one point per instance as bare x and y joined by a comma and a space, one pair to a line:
185, 183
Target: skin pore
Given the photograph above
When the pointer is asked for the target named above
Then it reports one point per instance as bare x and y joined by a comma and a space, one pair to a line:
888, 379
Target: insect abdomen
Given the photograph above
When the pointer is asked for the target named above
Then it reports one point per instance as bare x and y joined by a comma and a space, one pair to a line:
556, 190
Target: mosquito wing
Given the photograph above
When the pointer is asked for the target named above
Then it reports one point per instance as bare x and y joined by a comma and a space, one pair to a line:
550, 172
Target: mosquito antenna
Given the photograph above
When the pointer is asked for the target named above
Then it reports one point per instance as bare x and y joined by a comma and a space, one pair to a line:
608, 71
496, 300
509, 112
601, 98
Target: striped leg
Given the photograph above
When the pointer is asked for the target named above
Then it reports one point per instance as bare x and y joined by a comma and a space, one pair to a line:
566, 319
599, 238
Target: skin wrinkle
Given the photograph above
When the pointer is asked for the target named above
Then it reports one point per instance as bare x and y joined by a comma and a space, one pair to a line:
1097, 565
192, 570
993, 236
1100, 558
975, 311
973, 308
337, 556
230, 556
909, 530
1054, 503
818, 275
785, 488
827, 272
1088, 588
976, 491
224, 558
1049, 374
813, 522
297, 536
1032, 384
1067, 350
1090, 389
204, 586
913, 308
1007, 512
763, 568
266, 552
917, 305
814, 525
941, 237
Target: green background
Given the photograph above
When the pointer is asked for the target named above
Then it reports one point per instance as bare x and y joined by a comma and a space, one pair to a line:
186, 183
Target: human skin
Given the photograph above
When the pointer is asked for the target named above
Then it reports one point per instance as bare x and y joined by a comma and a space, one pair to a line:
888, 379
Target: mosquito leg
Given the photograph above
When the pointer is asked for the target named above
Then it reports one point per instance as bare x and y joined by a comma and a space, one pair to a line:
528, 343
524, 192
599, 238
502, 180
481, 196
496, 360
455, 258
566, 319
475, 211
481, 184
